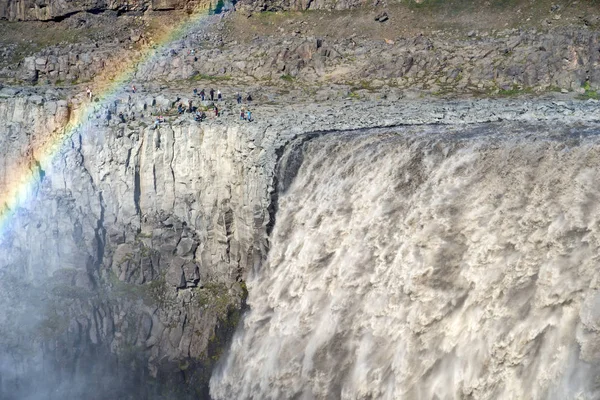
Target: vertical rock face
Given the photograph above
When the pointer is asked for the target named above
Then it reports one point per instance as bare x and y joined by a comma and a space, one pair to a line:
126, 252
44, 10
50, 9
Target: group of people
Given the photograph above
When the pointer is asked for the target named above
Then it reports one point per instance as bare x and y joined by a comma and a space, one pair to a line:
159, 120
199, 115
245, 115
238, 97
211, 94
190, 108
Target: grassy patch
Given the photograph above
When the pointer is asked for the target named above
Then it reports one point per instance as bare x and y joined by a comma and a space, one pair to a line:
456, 6
214, 295
70, 292
589, 93
184, 365
228, 313
213, 78
362, 85
53, 325
503, 4
287, 78
513, 91
29, 38
425, 4
151, 293
276, 17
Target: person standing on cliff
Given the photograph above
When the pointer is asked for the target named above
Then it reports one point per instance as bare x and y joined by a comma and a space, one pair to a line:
190, 106
239, 98
219, 95
212, 94
216, 111
202, 94
133, 88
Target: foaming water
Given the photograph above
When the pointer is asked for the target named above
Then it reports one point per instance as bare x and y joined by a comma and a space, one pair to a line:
428, 265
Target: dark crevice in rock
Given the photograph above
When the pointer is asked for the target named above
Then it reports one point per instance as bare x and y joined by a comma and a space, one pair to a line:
94, 11
60, 18
94, 266
154, 177
128, 160
273, 204
100, 234
227, 224
40, 171
173, 173
137, 190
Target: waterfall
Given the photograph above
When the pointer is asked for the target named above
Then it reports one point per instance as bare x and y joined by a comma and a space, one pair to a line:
429, 263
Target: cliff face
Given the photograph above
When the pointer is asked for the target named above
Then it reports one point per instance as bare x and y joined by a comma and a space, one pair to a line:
45, 10
132, 241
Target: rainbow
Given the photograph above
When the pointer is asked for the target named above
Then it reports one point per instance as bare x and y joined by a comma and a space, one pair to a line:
25, 177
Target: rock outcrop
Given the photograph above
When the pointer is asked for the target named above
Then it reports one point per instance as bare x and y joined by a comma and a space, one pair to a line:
45, 10
511, 60
301, 5
563, 58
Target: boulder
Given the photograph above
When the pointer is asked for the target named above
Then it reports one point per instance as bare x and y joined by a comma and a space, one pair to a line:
382, 17
175, 275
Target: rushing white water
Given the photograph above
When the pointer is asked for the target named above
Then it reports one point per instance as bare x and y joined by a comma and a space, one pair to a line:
429, 265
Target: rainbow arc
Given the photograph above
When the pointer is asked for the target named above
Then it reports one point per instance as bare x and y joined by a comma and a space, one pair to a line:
24, 177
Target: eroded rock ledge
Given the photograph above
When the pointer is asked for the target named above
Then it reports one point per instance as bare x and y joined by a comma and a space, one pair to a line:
45, 10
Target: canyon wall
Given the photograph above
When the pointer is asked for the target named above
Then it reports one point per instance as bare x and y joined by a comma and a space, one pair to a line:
125, 260
130, 241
